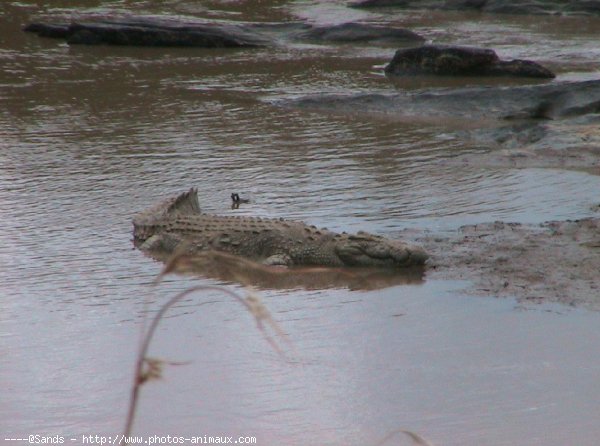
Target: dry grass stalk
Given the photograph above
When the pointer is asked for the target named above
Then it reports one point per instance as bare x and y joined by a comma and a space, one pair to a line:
150, 368
417, 439
153, 367
241, 270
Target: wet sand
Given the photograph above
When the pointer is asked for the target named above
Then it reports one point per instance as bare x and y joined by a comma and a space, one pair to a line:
557, 261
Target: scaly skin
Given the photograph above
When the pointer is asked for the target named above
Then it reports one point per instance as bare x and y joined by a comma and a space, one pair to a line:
178, 223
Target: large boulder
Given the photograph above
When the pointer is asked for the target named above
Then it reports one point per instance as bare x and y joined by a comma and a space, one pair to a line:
460, 61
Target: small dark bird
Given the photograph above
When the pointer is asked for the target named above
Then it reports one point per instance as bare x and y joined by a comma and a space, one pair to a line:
237, 200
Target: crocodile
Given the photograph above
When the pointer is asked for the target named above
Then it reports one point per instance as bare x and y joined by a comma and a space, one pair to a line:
177, 224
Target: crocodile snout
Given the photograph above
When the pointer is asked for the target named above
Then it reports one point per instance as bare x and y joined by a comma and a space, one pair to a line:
380, 253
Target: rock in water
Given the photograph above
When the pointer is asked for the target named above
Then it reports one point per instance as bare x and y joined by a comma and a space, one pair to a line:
150, 31
460, 61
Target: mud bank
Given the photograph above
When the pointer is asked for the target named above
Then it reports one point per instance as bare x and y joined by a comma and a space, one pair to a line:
547, 125
556, 261
552, 144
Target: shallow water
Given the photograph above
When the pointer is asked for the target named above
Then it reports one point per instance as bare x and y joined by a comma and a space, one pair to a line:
90, 135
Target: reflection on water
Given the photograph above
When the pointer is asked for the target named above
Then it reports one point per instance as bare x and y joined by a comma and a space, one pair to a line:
230, 268
91, 135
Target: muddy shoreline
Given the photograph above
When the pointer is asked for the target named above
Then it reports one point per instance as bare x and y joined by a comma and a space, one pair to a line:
556, 261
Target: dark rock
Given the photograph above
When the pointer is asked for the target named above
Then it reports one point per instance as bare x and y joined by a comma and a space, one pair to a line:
151, 31
438, 59
566, 7
53, 30
359, 32
519, 68
156, 32
460, 61
84, 37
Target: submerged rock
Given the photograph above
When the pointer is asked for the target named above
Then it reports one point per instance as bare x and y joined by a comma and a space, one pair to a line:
500, 103
359, 32
51, 30
566, 7
538, 125
460, 61
519, 68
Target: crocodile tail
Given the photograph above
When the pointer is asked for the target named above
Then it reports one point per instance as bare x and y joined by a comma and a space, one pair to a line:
185, 203
147, 223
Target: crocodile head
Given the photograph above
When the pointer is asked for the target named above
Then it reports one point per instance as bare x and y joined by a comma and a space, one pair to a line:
369, 250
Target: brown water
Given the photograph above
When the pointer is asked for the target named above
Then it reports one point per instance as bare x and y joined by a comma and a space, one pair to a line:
89, 135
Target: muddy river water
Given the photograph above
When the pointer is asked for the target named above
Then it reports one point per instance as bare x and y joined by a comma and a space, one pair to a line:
91, 134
